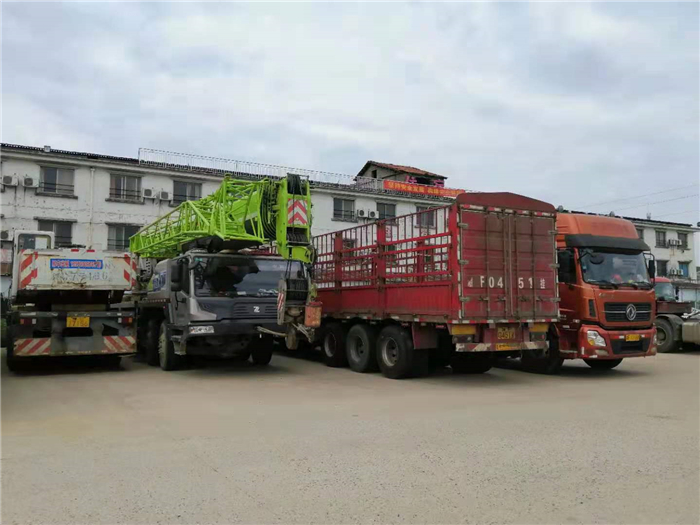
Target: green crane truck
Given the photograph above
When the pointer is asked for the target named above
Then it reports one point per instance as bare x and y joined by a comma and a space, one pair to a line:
223, 275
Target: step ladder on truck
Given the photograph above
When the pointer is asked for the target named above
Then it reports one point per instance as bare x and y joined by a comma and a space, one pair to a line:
458, 285
223, 275
64, 301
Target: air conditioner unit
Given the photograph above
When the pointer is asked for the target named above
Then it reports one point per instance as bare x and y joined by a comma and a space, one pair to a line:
675, 272
673, 242
372, 214
165, 196
10, 180
30, 182
361, 214
148, 193
5, 235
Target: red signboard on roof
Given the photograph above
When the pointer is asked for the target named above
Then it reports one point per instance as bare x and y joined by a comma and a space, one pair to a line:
422, 189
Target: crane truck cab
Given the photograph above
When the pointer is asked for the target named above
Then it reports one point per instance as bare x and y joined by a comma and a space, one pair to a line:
213, 304
606, 288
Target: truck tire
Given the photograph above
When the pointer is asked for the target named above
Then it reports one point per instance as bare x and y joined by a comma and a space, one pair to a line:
333, 345
261, 351
604, 364
13, 363
396, 356
151, 343
360, 345
465, 363
168, 359
665, 342
543, 362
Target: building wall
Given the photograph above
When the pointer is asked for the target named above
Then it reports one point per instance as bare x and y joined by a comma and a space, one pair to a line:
672, 254
91, 210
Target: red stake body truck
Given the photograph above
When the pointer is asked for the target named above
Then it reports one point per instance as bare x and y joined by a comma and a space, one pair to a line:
460, 283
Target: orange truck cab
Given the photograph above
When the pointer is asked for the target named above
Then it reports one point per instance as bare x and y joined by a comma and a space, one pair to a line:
607, 304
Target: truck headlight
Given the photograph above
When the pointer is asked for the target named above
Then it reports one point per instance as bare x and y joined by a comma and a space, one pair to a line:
196, 330
595, 339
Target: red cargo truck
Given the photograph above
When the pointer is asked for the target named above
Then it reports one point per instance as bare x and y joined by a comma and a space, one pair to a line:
461, 282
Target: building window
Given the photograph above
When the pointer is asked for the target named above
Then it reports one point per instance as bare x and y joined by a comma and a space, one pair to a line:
125, 187
661, 268
640, 233
684, 268
683, 238
386, 211
344, 209
426, 219
62, 231
186, 191
118, 236
374, 174
56, 180
660, 239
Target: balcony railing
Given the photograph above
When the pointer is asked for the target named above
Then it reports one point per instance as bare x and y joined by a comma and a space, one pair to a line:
58, 189
124, 194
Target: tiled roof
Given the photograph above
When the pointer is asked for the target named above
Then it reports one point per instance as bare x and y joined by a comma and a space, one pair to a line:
401, 169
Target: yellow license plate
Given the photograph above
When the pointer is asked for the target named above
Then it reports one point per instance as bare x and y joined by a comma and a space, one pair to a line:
78, 322
506, 333
632, 337
507, 346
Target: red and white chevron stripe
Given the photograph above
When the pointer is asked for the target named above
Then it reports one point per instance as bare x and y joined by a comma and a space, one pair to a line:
27, 268
297, 213
27, 347
119, 344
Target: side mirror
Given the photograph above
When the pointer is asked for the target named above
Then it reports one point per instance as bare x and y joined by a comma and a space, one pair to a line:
652, 268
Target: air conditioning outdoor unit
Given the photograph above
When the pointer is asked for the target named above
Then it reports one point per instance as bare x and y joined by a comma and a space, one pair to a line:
30, 182
361, 213
5, 235
372, 214
674, 242
149, 193
165, 196
10, 180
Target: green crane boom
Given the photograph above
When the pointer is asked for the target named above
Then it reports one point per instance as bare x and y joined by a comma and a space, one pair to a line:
240, 214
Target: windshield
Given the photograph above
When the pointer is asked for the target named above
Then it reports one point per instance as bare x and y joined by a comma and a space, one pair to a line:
231, 276
665, 292
599, 267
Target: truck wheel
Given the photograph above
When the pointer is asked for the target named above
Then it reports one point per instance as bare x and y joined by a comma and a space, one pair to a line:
543, 361
151, 343
333, 344
261, 351
396, 356
605, 364
471, 363
664, 336
360, 344
13, 363
167, 357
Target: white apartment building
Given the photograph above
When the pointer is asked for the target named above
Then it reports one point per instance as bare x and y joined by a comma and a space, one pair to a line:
99, 201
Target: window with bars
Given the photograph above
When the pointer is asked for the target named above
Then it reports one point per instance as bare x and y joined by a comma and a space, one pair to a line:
640, 233
427, 218
186, 191
684, 268
661, 268
683, 238
344, 209
125, 187
660, 239
119, 234
62, 231
386, 211
57, 180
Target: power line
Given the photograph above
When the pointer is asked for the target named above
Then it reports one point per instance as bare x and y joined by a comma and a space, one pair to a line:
638, 196
657, 202
674, 213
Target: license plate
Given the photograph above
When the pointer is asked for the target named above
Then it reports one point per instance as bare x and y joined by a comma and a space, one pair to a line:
78, 322
506, 333
632, 337
507, 346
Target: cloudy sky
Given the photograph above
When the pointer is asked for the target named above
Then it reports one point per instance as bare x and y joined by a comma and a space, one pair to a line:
585, 105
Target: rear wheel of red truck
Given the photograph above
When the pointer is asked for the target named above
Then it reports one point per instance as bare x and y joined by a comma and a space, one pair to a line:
333, 344
605, 364
360, 345
546, 361
396, 356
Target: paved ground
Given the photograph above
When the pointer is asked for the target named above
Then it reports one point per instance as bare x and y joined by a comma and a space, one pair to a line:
298, 442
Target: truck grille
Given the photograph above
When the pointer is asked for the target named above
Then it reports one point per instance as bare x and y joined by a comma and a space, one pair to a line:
621, 347
248, 311
616, 312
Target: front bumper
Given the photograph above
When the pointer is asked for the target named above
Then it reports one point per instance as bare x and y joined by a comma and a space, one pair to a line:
616, 344
501, 347
227, 327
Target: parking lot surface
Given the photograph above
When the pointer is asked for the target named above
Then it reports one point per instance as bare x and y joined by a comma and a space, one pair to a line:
297, 442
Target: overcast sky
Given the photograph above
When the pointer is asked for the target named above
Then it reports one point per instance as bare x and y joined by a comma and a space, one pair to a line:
575, 104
